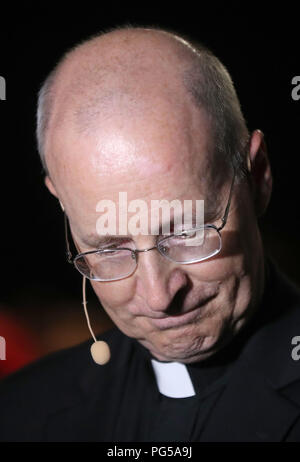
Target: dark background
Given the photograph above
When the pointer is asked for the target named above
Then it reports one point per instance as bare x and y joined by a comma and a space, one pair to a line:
259, 47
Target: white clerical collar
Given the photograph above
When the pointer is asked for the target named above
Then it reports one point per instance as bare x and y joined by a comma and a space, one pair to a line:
173, 379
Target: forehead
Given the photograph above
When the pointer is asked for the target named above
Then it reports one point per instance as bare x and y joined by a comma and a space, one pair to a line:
162, 153
122, 141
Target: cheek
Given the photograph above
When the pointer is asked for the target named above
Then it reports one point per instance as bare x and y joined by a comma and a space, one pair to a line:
217, 271
114, 296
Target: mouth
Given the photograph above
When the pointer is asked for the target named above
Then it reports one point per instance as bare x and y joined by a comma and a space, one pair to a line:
179, 319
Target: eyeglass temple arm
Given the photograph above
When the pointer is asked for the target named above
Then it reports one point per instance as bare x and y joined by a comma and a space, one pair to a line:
224, 219
68, 251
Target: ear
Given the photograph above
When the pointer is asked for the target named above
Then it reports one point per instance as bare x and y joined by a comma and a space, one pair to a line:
260, 172
50, 186
52, 189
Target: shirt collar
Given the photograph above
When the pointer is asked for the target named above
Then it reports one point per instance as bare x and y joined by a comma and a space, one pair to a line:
173, 379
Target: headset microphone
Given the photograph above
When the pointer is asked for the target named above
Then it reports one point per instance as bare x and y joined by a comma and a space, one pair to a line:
99, 350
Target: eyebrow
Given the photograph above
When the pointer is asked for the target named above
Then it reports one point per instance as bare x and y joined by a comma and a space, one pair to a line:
96, 241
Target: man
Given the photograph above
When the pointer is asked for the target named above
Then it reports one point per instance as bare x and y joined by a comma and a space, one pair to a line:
202, 345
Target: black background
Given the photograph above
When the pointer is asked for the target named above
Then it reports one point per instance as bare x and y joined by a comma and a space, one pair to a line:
260, 48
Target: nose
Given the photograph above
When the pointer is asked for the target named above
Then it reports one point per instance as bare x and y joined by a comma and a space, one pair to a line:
161, 283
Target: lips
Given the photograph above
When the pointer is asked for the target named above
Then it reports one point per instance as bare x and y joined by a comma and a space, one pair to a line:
179, 319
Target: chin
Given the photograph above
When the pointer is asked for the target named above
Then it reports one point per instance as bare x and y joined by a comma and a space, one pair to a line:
204, 350
184, 359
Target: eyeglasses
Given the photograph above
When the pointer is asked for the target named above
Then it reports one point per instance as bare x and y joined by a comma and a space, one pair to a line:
189, 246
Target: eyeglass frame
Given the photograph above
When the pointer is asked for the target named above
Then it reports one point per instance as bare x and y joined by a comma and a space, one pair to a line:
72, 259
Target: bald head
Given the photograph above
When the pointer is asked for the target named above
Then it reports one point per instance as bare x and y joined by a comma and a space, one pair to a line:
132, 72
121, 111
122, 74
